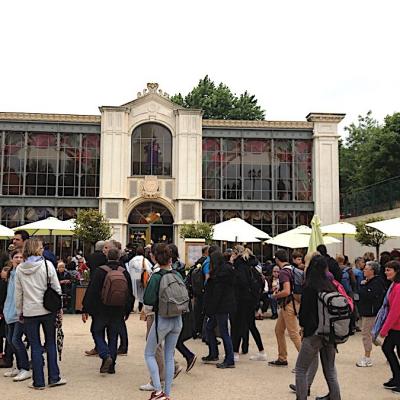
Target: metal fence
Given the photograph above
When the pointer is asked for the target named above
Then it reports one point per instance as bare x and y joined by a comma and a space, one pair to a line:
381, 196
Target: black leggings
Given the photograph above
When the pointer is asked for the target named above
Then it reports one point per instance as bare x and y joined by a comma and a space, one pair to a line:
391, 341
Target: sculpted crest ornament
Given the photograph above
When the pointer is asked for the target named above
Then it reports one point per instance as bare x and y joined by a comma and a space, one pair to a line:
150, 187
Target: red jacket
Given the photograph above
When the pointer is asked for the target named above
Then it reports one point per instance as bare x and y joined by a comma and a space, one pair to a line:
392, 321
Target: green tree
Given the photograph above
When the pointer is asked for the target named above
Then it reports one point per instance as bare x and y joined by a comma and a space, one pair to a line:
198, 230
218, 102
370, 237
91, 226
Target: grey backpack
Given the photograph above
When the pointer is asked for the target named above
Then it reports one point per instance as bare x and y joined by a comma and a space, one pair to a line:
334, 315
173, 297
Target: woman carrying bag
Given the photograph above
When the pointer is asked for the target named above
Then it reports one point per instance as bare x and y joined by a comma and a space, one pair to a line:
36, 282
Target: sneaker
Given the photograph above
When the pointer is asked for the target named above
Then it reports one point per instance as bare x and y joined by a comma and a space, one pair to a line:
32, 386
274, 316
209, 359
105, 365
122, 352
178, 370
61, 382
396, 390
190, 363
364, 362
391, 384
111, 370
236, 357
224, 365
159, 396
261, 356
92, 352
278, 363
23, 375
12, 373
148, 387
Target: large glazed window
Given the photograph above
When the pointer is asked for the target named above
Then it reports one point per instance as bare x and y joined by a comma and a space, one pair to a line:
151, 150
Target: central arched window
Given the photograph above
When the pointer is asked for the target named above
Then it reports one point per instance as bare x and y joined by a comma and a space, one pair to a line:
151, 150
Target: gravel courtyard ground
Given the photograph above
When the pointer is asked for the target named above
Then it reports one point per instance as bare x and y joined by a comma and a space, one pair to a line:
249, 380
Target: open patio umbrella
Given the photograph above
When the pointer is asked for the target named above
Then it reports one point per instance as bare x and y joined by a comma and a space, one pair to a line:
340, 229
237, 230
390, 227
297, 240
49, 226
6, 233
316, 235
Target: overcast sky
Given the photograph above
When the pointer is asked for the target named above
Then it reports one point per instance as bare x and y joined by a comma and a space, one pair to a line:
295, 56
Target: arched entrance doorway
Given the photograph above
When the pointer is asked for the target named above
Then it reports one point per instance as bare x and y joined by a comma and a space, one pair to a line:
150, 222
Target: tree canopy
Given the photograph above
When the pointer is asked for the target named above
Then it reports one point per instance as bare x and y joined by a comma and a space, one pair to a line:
368, 236
218, 102
370, 152
91, 226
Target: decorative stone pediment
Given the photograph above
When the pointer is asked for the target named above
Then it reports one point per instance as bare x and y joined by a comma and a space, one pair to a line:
152, 87
150, 187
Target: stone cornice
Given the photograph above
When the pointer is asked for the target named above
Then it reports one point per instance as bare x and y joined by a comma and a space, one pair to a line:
29, 117
237, 124
325, 117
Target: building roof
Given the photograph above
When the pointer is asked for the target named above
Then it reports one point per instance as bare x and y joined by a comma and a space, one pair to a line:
35, 117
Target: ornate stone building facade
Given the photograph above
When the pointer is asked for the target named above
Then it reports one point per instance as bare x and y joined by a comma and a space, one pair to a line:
151, 166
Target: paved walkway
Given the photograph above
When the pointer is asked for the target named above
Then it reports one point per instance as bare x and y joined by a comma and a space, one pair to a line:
250, 380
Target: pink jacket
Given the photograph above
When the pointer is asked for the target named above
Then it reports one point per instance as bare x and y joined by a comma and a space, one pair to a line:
393, 318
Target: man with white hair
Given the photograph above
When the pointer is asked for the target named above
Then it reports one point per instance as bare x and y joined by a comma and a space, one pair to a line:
97, 258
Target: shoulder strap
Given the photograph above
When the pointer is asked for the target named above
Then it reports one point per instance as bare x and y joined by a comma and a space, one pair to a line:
106, 268
47, 272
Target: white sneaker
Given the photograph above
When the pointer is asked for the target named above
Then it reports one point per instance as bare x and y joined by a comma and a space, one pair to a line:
61, 382
23, 375
148, 387
236, 357
13, 372
261, 356
364, 362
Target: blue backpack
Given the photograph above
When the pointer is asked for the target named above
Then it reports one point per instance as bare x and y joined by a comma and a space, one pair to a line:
346, 282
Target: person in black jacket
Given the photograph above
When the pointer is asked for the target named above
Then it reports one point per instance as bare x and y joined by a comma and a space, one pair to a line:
316, 281
106, 317
248, 290
372, 291
219, 302
333, 265
97, 258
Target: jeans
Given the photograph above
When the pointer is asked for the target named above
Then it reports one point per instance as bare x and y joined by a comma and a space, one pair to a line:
32, 331
186, 353
222, 321
198, 313
112, 325
391, 341
240, 327
14, 338
168, 330
306, 362
123, 335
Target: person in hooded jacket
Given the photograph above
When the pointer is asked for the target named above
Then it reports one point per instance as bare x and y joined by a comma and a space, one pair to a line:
219, 301
248, 290
30, 285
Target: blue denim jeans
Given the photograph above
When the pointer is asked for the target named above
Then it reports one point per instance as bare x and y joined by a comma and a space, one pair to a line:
32, 330
222, 321
123, 337
14, 338
168, 331
111, 325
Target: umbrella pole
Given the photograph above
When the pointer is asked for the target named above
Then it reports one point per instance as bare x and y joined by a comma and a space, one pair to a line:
343, 243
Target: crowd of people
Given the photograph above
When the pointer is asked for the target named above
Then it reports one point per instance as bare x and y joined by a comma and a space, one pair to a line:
318, 300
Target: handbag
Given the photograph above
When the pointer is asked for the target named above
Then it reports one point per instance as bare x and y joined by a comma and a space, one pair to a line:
51, 299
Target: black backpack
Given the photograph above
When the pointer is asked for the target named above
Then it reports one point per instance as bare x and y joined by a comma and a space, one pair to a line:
257, 283
197, 280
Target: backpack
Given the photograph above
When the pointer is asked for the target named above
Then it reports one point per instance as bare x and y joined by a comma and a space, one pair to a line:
333, 317
115, 287
197, 280
346, 282
342, 291
257, 282
298, 280
173, 297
